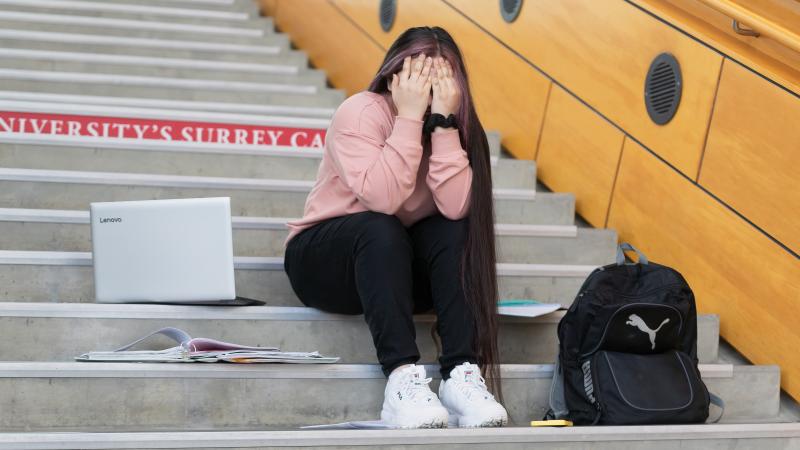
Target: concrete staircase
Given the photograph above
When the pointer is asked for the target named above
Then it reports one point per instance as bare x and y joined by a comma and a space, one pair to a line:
217, 61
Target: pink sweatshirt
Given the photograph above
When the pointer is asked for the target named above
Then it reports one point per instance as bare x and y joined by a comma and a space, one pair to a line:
374, 160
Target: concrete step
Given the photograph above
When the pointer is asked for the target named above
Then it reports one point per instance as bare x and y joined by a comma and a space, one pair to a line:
60, 230
226, 5
138, 82
104, 396
181, 10
165, 88
231, 49
686, 437
141, 43
60, 102
140, 16
218, 160
30, 276
96, 63
64, 189
222, 5
61, 331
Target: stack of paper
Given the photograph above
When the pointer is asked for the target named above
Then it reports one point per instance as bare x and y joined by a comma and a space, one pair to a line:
203, 350
525, 307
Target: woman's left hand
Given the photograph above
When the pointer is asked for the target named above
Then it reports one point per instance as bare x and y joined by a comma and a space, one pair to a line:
446, 93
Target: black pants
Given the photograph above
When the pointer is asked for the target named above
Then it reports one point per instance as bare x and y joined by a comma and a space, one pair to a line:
369, 263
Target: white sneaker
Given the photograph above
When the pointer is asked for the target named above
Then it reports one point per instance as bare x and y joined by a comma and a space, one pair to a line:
468, 401
408, 401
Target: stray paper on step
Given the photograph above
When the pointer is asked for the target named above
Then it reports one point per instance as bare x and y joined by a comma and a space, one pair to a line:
357, 425
204, 350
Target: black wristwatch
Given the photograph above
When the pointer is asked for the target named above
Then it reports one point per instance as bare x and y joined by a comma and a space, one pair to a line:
439, 120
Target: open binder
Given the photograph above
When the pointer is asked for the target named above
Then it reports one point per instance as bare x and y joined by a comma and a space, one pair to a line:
191, 349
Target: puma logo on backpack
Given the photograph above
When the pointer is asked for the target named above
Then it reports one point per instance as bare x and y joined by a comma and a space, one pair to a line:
603, 356
639, 323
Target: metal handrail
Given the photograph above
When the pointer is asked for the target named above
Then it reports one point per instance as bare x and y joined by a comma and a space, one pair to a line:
758, 24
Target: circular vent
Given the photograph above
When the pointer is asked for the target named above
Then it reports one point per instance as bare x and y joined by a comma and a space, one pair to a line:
510, 9
386, 13
662, 88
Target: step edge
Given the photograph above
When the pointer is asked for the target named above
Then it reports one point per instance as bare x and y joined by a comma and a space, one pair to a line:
122, 80
81, 217
162, 114
196, 312
97, 39
160, 145
157, 145
153, 102
46, 18
40, 257
28, 54
84, 369
129, 8
206, 439
201, 182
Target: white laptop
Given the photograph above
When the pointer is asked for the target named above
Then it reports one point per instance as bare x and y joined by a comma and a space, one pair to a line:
164, 251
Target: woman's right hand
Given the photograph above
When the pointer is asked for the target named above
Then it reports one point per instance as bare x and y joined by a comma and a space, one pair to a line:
411, 87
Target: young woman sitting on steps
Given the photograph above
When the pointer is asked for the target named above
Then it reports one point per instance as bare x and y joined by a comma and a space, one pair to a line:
401, 221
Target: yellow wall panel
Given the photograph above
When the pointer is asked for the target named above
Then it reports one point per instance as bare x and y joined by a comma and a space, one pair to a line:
734, 270
366, 12
509, 94
329, 39
579, 152
268, 7
753, 152
601, 50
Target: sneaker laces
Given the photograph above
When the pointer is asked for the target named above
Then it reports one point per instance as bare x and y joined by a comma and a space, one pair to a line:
413, 386
474, 383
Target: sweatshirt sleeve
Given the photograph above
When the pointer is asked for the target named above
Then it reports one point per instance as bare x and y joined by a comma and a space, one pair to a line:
381, 173
449, 174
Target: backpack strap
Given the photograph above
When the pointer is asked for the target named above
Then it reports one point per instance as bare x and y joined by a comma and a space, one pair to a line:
716, 400
625, 246
557, 402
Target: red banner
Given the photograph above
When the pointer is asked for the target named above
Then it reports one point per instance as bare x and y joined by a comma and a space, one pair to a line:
156, 129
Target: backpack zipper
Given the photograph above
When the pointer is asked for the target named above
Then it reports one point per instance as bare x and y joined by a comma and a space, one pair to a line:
596, 392
621, 294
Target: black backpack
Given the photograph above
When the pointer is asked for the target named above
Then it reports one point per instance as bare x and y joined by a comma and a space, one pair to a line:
628, 349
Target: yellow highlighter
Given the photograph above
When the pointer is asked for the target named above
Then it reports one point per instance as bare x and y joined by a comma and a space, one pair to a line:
551, 423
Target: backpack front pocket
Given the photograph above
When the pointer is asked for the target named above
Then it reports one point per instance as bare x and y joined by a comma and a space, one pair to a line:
637, 389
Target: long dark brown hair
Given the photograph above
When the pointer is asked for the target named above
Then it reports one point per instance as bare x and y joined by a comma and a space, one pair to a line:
478, 264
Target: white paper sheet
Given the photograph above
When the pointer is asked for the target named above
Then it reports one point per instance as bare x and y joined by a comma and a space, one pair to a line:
357, 425
533, 310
